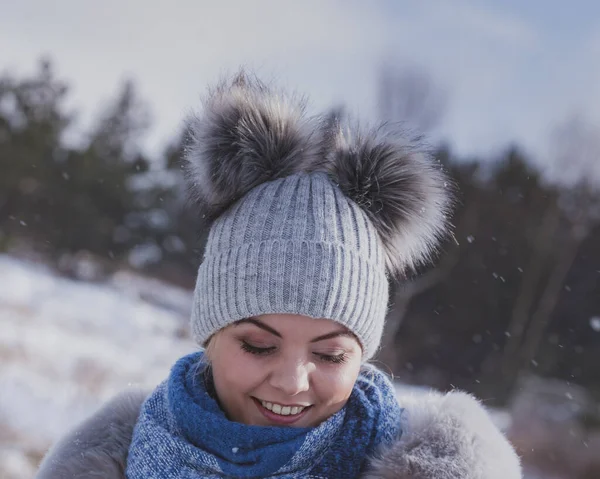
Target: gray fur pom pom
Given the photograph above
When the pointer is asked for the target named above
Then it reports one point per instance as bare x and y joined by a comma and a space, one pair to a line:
404, 192
246, 135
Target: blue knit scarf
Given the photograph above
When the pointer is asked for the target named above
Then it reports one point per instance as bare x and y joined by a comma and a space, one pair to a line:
183, 433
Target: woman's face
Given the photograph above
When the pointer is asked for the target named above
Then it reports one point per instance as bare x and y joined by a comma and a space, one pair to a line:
284, 369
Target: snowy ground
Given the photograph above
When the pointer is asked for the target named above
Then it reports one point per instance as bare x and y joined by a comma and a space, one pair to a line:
67, 346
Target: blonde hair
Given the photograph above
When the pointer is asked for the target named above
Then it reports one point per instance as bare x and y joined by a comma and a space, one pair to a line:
203, 367
209, 347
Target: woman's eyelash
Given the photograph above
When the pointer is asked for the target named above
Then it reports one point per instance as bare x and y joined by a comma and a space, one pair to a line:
336, 359
256, 350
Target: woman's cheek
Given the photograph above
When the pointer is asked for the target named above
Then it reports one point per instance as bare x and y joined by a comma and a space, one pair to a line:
335, 383
247, 369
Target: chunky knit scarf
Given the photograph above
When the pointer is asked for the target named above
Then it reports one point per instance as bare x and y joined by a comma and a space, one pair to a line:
182, 433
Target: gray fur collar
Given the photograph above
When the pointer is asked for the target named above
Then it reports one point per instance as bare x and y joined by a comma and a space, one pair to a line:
447, 436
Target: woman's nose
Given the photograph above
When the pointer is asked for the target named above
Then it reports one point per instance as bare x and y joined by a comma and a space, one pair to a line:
291, 376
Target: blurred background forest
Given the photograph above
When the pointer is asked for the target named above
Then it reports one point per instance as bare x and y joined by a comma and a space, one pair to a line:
516, 291
99, 244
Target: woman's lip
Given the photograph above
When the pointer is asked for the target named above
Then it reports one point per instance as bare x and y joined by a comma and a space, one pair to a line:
278, 418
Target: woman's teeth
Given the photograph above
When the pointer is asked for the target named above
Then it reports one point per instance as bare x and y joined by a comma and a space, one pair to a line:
282, 410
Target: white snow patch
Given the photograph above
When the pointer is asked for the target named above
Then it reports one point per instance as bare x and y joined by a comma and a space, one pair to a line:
67, 346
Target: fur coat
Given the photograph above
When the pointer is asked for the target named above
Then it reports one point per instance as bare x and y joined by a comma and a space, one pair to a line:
447, 436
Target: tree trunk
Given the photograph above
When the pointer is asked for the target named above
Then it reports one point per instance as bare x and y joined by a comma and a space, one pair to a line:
549, 299
406, 292
527, 292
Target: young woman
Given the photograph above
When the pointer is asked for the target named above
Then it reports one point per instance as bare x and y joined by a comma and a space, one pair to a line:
309, 220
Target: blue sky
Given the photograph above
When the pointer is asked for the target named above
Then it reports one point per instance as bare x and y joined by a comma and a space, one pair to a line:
511, 70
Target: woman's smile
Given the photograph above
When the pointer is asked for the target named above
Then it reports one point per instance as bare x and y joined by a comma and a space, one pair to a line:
280, 414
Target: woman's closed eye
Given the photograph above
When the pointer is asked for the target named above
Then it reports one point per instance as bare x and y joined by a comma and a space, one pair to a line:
335, 358
257, 350
332, 358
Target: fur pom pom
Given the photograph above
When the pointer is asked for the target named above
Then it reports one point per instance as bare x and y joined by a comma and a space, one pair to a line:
246, 135
405, 194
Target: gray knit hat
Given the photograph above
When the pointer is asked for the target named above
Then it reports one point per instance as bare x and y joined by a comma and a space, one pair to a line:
307, 218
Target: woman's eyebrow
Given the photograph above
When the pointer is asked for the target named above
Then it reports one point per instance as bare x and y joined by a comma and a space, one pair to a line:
259, 324
333, 334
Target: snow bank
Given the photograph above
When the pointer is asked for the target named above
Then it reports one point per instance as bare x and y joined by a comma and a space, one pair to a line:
66, 346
